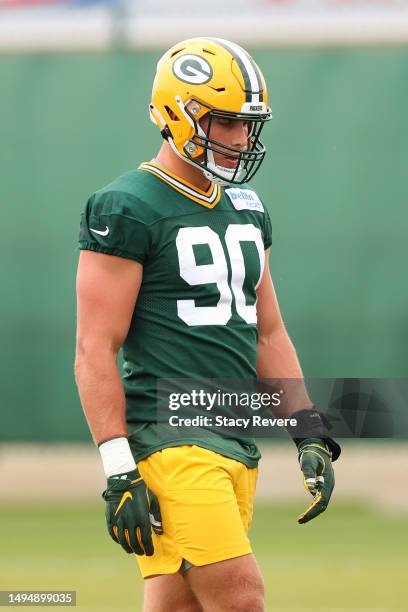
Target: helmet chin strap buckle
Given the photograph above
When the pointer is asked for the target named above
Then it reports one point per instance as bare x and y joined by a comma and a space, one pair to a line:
165, 132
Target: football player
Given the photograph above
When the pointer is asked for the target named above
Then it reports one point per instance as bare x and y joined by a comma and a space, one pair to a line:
174, 269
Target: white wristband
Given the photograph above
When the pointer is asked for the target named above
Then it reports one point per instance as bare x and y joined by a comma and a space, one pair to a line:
117, 457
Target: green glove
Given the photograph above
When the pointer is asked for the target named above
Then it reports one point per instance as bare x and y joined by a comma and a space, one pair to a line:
132, 510
318, 476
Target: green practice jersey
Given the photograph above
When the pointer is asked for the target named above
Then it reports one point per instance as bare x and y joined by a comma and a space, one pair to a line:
195, 317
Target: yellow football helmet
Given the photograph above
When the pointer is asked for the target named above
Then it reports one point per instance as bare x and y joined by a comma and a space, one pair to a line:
218, 77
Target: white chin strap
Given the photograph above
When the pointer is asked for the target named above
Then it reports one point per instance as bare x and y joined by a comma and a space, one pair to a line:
227, 174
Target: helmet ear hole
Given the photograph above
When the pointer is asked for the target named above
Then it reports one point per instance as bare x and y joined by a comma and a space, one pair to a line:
171, 114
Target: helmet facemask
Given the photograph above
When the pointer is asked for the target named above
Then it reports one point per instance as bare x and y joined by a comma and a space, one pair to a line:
199, 150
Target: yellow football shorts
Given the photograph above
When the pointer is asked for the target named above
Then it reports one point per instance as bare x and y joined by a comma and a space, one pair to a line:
206, 502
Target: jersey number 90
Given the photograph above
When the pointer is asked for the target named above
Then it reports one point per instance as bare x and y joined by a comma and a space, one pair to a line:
217, 272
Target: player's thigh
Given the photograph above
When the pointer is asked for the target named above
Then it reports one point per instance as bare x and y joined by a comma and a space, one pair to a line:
234, 585
169, 592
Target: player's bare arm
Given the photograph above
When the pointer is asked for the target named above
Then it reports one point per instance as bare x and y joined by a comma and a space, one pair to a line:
107, 290
277, 360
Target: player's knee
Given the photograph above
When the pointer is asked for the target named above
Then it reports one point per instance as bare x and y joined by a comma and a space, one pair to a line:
189, 607
250, 598
248, 603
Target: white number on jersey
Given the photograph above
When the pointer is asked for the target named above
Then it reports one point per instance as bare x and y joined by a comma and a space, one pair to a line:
217, 272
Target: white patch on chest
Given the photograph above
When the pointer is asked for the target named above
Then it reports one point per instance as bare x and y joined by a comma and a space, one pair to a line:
244, 199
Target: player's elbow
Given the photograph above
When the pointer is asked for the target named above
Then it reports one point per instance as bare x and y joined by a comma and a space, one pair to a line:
78, 365
81, 353
80, 357
93, 354
269, 335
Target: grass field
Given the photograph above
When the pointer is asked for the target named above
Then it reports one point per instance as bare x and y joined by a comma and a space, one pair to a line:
350, 559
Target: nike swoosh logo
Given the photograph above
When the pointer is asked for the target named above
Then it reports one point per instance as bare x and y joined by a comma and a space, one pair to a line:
125, 496
100, 232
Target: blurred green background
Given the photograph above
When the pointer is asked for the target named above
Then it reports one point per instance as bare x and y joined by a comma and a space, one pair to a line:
334, 181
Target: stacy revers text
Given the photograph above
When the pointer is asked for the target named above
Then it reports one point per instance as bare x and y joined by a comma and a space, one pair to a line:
235, 422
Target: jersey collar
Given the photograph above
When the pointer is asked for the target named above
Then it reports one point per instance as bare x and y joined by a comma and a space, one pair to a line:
209, 198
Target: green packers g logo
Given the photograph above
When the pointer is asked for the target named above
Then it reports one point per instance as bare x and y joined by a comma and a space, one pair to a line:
192, 69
